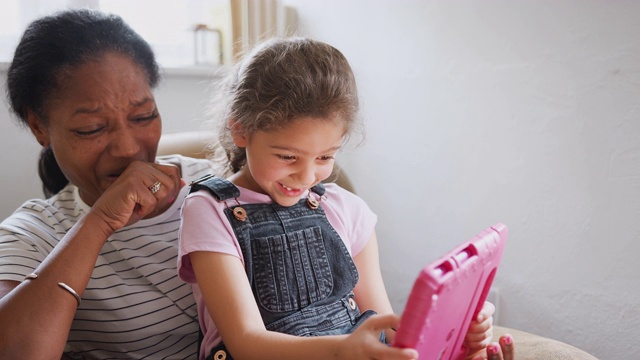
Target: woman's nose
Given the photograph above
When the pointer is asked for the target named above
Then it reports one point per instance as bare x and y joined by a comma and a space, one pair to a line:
124, 143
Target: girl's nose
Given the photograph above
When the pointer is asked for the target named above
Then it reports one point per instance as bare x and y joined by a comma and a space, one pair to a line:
306, 175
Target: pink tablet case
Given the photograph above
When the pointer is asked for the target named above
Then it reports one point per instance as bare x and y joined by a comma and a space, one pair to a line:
448, 294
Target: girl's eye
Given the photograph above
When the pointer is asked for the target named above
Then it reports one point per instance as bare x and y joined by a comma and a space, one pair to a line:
286, 157
326, 158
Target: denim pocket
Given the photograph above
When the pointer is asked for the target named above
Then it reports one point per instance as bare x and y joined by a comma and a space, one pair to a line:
291, 271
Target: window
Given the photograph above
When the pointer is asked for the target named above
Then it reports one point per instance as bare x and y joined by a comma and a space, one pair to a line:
182, 33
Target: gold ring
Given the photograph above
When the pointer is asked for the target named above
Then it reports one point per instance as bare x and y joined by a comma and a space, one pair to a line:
155, 187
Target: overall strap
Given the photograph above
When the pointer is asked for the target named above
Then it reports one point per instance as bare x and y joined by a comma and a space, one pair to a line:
318, 189
221, 189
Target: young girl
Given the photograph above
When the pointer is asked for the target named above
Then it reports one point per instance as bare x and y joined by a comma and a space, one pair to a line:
276, 253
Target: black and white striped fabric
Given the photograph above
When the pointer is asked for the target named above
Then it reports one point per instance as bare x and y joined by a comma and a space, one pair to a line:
135, 305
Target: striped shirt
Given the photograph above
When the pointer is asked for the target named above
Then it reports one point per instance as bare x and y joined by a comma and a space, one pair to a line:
135, 305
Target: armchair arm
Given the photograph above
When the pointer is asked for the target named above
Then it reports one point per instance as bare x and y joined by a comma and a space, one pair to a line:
189, 143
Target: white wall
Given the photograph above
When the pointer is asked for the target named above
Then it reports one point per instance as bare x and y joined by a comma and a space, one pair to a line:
524, 112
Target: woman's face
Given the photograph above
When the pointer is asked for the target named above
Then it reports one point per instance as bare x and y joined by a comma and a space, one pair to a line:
103, 117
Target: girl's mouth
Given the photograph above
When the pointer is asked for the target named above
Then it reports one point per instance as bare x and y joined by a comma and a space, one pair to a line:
289, 191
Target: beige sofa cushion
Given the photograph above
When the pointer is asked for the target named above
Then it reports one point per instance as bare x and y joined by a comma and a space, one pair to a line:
534, 347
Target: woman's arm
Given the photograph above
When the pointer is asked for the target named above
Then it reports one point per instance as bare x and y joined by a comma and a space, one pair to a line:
36, 314
232, 307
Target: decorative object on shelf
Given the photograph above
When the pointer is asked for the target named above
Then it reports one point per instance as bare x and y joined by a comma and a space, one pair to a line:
207, 45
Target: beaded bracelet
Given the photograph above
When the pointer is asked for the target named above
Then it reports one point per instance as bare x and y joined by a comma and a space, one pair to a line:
64, 286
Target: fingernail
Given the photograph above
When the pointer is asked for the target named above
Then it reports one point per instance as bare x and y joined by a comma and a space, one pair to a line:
183, 182
508, 339
171, 200
492, 349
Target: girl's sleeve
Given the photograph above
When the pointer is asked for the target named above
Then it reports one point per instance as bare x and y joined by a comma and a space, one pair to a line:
203, 227
351, 217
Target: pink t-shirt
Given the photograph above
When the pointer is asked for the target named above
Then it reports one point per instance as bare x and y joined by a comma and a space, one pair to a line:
205, 228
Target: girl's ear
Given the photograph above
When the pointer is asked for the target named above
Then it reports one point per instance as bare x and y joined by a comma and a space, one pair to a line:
240, 137
37, 128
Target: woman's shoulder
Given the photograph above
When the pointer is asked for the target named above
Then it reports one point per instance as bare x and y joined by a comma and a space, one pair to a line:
64, 205
193, 168
39, 224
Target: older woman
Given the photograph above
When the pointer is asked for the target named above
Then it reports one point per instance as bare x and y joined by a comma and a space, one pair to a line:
91, 270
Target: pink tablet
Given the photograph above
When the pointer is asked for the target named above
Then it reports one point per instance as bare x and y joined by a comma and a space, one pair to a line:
448, 294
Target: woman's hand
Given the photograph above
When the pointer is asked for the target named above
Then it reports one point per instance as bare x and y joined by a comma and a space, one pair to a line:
130, 199
478, 338
364, 342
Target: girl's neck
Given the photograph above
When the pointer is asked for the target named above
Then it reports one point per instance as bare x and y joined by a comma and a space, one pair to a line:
244, 179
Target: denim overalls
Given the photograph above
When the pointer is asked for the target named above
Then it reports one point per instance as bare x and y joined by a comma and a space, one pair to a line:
300, 271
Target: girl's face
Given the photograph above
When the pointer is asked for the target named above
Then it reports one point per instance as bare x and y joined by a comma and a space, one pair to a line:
103, 117
285, 163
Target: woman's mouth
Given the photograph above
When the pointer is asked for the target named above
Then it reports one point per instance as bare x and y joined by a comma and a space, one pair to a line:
113, 177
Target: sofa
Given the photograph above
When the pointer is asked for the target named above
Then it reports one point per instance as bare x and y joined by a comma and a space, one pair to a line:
528, 346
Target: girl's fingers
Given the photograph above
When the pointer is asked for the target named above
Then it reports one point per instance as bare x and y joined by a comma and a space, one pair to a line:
494, 352
508, 347
504, 350
479, 328
381, 322
366, 338
488, 309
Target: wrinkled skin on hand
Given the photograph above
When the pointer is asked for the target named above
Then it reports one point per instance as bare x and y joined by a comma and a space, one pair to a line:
129, 198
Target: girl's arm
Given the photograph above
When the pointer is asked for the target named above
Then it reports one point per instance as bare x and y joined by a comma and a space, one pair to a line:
232, 307
370, 292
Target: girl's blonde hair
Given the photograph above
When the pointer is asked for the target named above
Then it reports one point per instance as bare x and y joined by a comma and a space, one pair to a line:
282, 80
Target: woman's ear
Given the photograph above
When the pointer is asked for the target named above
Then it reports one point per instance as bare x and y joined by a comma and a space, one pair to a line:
38, 129
238, 134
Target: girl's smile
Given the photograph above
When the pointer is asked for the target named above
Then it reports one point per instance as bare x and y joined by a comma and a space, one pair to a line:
290, 191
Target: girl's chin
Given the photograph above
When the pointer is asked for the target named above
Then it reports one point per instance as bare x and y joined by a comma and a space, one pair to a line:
286, 202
